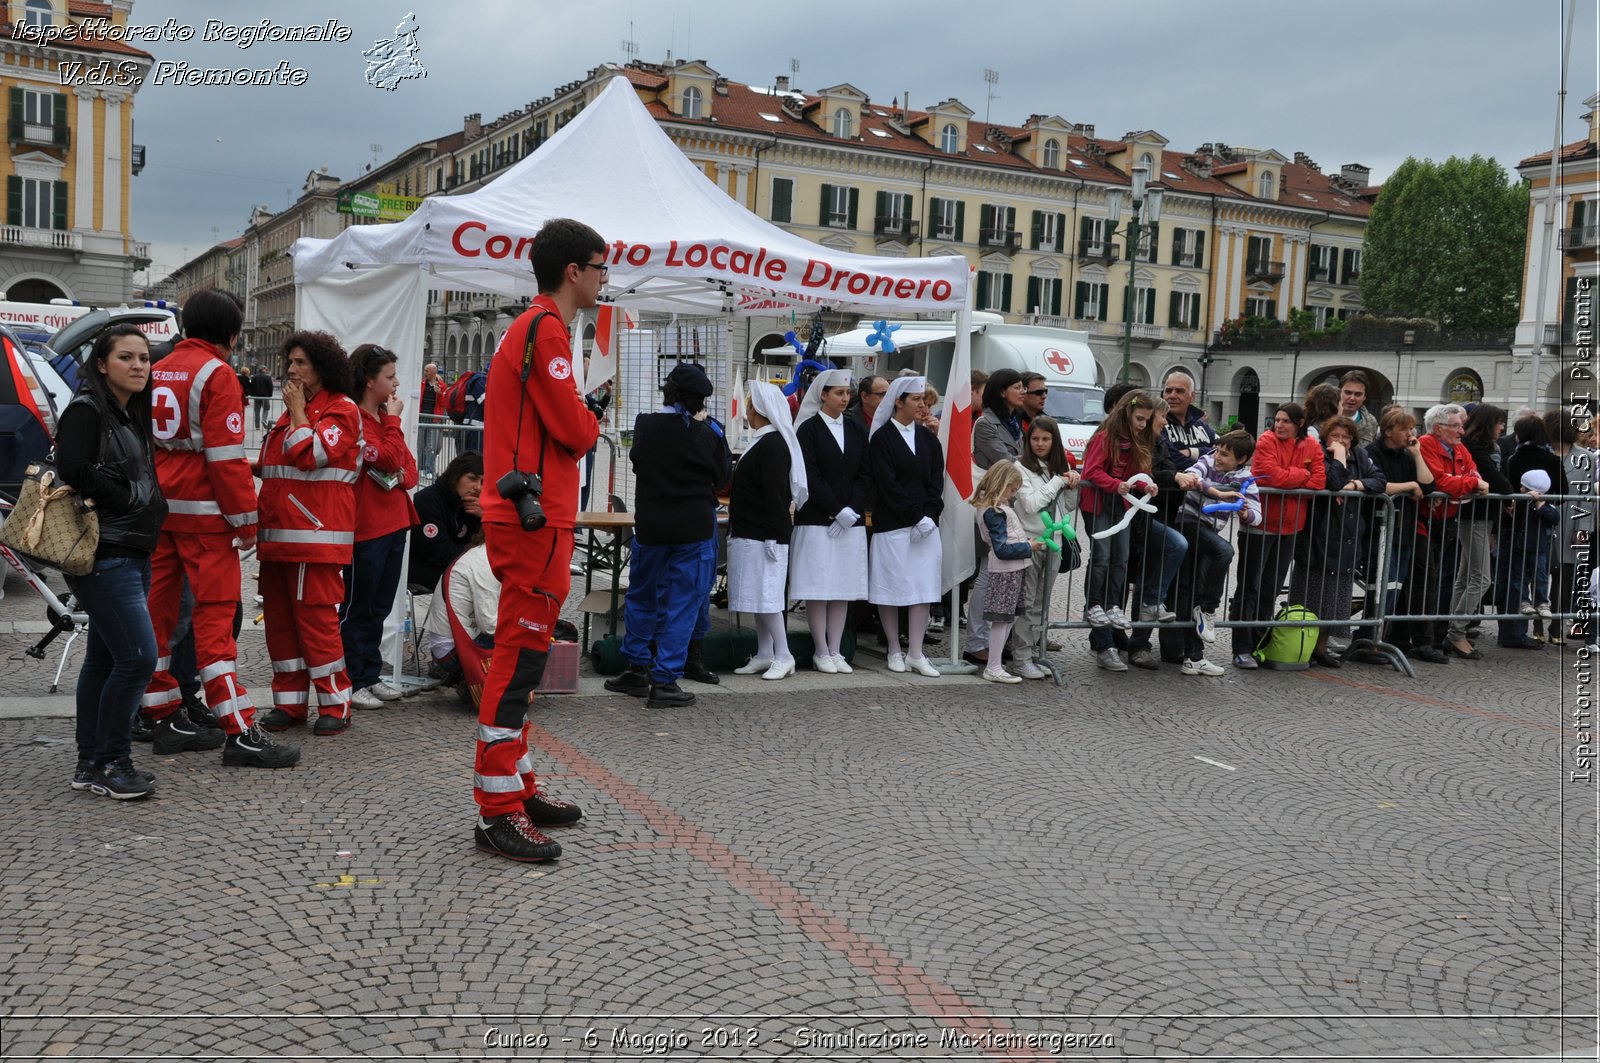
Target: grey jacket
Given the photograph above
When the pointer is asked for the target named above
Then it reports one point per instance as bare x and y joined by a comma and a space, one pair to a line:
992, 441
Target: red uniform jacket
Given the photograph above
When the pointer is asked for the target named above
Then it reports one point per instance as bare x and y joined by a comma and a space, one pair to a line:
197, 416
1287, 465
384, 454
308, 484
553, 417
1454, 473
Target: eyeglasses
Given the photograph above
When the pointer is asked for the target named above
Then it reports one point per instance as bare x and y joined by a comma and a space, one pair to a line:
1038, 391
604, 269
878, 394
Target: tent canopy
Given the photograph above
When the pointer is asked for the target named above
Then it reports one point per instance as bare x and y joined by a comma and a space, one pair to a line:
676, 242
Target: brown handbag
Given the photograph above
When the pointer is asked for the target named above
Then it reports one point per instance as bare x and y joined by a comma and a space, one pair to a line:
52, 524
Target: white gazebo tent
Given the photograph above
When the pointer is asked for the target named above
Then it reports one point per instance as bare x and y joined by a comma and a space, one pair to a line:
676, 243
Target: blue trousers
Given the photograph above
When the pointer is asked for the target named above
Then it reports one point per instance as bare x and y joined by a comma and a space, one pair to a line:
119, 654
669, 603
370, 584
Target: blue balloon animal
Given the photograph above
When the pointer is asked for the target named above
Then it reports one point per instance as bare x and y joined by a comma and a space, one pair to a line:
1231, 507
883, 337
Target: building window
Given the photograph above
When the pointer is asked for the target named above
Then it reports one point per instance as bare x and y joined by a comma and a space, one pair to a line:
1320, 264
39, 13
947, 219
1047, 230
1044, 296
36, 203
839, 206
1188, 247
1464, 387
1324, 314
1092, 237
691, 103
1259, 253
1149, 165
1149, 239
1144, 306
783, 200
1261, 306
1352, 266
1091, 301
949, 138
843, 125
1184, 310
1267, 186
994, 291
1052, 154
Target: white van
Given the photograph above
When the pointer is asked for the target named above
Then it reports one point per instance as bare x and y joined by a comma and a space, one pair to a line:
1062, 355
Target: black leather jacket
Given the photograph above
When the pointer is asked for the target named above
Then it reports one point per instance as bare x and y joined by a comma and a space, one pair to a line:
117, 471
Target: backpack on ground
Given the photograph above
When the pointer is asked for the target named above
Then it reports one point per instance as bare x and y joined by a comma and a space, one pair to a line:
455, 398
1289, 648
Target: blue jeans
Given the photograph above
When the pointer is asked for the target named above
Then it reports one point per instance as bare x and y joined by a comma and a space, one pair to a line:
1105, 583
1173, 548
370, 584
668, 603
119, 656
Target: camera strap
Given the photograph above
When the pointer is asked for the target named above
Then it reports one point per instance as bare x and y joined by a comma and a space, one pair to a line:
522, 408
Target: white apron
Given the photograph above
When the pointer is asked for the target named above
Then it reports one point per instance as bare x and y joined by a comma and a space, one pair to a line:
905, 571
755, 581
827, 569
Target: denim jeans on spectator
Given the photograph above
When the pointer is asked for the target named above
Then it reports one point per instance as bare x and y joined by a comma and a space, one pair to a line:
119, 655
371, 582
1105, 583
1264, 560
1159, 570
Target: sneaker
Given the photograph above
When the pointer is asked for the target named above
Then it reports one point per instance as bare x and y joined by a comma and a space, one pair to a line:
1202, 667
1001, 676
276, 720
936, 623
922, 666
545, 811
365, 699
175, 734
897, 662
1157, 613
1145, 659
83, 776
1031, 670
635, 682
841, 665
384, 692
330, 725
1526, 608
1245, 661
755, 666
1110, 660
1205, 625
514, 837
1118, 618
253, 749
120, 781
1543, 609
1097, 616
142, 730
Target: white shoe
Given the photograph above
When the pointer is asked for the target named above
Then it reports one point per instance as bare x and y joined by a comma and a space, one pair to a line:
824, 663
754, 666
1031, 670
1118, 618
779, 669
365, 699
1205, 625
841, 665
1201, 667
922, 666
1110, 660
1001, 676
897, 662
1096, 616
384, 692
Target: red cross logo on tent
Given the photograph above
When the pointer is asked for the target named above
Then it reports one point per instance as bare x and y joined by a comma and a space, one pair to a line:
165, 416
1058, 360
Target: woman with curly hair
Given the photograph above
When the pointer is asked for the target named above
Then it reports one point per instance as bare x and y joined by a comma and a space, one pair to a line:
308, 468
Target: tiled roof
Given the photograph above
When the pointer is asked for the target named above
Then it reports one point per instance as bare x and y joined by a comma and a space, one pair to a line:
1578, 149
1305, 186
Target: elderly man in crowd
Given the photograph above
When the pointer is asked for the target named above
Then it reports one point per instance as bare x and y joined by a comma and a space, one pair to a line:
1433, 562
1188, 436
1353, 404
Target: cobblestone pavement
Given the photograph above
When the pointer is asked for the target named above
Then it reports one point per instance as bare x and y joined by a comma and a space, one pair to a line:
1311, 865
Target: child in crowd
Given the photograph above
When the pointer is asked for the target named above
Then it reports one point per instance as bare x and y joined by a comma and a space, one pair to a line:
1222, 474
1529, 531
1119, 450
1009, 555
1049, 485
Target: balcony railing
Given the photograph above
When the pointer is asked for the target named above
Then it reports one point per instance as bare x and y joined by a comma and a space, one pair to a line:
1319, 273
22, 132
895, 229
1007, 240
1098, 251
1264, 269
136, 160
53, 239
1564, 334
1580, 238
139, 251
1189, 258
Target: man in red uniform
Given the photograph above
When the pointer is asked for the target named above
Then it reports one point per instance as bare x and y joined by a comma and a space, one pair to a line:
197, 417
536, 425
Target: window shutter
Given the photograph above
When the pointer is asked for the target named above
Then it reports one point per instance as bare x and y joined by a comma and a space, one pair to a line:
1177, 245
1578, 209
1155, 242
783, 200
855, 200
827, 204
986, 218
58, 116
1085, 229
16, 111
59, 220
1199, 247
1150, 306
882, 209
1079, 297
983, 290
1038, 236
14, 197
1105, 297
1005, 294
1033, 297
1055, 299
1174, 308
961, 221
935, 205
1272, 309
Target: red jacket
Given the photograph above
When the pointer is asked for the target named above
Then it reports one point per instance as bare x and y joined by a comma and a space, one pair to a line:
379, 509
197, 416
553, 418
1103, 473
1287, 464
1454, 472
308, 484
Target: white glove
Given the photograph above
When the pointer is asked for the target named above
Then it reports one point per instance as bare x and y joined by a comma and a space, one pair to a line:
846, 519
923, 528
772, 549
834, 531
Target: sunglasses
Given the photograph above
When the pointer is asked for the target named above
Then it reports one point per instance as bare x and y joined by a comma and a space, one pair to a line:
1038, 391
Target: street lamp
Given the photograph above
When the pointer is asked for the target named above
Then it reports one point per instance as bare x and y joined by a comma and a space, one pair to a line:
1146, 211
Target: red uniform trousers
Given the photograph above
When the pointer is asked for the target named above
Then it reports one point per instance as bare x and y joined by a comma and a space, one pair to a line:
301, 600
210, 561
534, 579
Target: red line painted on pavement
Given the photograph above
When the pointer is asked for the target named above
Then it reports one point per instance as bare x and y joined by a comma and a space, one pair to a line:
923, 992
1423, 699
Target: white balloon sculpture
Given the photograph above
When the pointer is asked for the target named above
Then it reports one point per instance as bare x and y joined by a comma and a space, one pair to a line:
1135, 502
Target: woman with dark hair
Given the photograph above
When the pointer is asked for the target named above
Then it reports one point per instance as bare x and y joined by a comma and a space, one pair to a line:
1322, 402
1049, 485
309, 465
448, 516
996, 437
1284, 459
1533, 452
104, 450
907, 500
1485, 424
1116, 464
384, 516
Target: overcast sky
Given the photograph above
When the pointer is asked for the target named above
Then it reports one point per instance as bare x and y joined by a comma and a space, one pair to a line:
1368, 81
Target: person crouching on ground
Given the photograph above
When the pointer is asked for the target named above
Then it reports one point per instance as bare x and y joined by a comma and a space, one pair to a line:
768, 482
1010, 553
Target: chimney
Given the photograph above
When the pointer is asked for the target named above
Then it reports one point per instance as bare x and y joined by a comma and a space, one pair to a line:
472, 126
1355, 173
1302, 159
781, 83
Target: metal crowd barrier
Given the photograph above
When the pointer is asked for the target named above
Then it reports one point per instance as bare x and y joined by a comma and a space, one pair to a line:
439, 441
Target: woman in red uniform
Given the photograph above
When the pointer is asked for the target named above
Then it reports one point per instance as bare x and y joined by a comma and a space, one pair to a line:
384, 515
308, 471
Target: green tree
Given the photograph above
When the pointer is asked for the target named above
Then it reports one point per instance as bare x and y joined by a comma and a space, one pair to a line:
1445, 242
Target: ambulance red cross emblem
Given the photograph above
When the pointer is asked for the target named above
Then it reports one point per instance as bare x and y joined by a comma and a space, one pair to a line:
1057, 360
